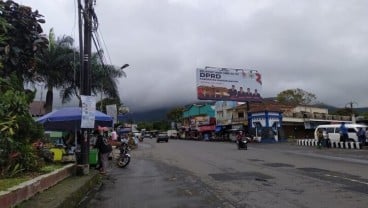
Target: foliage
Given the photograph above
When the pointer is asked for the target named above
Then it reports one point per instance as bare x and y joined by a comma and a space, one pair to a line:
17, 130
161, 125
175, 114
101, 105
145, 125
345, 112
155, 125
296, 97
365, 115
21, 40
103, 80
6, 183
54, 64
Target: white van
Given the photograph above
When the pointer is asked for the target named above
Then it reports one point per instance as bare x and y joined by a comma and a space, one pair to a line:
333, 131
172, 134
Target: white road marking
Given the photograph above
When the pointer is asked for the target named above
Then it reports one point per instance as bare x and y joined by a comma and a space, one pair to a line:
349, 179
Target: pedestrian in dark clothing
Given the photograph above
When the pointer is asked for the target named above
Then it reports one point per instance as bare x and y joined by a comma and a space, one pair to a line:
320, 138
361, 136
343, 133
104, 149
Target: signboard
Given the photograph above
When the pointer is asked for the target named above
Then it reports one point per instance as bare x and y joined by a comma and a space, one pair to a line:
111, 110
88, 112
229, 84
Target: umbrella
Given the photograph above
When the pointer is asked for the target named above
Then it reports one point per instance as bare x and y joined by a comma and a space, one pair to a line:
69, 118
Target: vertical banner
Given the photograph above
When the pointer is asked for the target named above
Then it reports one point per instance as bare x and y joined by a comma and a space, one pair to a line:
88, 112
229, 84
111, 110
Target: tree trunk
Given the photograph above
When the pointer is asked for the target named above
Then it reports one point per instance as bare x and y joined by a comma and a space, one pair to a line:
49, 99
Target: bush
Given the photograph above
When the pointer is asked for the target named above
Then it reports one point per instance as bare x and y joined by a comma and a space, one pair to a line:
17, 131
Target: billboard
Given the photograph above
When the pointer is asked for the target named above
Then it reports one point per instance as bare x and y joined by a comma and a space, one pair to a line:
229, 84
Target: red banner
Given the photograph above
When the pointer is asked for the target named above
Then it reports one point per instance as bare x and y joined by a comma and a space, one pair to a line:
206, 128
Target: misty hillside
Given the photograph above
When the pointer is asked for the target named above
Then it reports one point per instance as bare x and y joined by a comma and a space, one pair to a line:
160, 114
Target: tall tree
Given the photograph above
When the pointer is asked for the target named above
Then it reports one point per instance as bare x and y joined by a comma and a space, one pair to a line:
103, 80
23, 40
54, 64
296, 97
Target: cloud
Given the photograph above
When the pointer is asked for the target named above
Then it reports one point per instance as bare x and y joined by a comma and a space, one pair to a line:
318, 46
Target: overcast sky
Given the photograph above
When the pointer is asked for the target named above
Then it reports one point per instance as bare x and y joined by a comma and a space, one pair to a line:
318, 46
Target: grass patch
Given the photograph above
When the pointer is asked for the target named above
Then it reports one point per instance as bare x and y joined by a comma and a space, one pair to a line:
6, 183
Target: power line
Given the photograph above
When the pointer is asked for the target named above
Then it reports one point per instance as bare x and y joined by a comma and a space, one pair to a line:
107, 51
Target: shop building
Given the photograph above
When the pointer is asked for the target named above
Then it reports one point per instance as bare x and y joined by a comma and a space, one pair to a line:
199, 122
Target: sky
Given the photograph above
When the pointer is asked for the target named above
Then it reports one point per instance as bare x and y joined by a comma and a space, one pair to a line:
318, 46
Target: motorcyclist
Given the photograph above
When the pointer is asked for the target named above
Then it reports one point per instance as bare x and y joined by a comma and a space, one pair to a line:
239, 137
242, 143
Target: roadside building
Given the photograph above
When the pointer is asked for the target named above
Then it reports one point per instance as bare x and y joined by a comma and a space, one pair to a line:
280, 120
199, 122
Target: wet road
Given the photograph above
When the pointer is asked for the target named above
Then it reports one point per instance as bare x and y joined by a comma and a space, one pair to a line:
208, 174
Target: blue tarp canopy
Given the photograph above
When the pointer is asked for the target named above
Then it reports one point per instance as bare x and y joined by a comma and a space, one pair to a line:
69, 118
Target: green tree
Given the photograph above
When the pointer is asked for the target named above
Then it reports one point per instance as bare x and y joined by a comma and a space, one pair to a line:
22, 40
175, 114
296, 97
54, 64
161, 125
345, 112
365, 115
103, 80
145, 125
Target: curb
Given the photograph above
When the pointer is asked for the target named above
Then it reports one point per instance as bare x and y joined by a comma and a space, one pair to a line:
68, 193
341, 145
28, 189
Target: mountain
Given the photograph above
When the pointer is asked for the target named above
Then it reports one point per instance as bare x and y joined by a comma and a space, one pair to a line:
150, 115
155, 114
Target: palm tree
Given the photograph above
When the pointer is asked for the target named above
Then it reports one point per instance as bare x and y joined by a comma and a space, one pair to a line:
55, 64
103, 80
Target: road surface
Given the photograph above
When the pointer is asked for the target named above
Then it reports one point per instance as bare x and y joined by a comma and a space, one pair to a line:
216, 174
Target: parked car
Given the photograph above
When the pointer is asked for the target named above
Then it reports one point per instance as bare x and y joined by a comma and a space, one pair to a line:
147, 135
333, 131
162, 137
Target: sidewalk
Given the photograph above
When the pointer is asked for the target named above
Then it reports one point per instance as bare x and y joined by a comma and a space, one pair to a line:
68, 193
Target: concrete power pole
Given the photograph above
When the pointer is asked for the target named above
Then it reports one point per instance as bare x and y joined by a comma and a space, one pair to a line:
86, 79
353, 119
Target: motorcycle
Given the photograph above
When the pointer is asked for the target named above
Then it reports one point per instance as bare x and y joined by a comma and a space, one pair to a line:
242, 144
124, 157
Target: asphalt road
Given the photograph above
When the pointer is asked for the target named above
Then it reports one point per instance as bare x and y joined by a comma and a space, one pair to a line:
209, 174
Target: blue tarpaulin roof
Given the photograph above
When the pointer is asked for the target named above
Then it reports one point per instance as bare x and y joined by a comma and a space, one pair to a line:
69, 118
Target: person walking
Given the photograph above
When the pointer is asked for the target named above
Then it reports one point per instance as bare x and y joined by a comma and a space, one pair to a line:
361, 136
104, 149
343, 133
320, 138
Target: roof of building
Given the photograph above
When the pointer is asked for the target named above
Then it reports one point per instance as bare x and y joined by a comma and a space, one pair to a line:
267, 105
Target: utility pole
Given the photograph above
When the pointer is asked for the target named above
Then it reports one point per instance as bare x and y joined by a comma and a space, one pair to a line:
353, 120
85, 79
